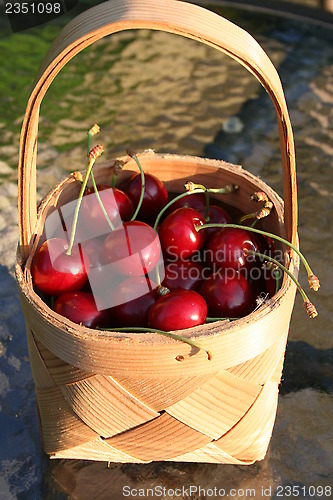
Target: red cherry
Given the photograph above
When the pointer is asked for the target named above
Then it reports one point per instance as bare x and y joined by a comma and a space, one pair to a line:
134, 297
155, 196
135, 248
178, 310
228, 295
80, 307
185, 274
225, 249
178, 235
54, 272
195, 200
217, 215
117, 205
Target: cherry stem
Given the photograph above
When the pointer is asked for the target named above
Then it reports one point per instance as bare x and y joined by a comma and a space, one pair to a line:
277, 280
201, 186
264, 233
163, 332
285, 270
179, 197
143, 183
247, 216
100, 202
93, 131
229, 188
93, 155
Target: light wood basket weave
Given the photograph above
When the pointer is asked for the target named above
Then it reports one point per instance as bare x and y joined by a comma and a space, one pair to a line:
126, 397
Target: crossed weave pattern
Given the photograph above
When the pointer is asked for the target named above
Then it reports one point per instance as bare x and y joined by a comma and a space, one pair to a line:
225, 417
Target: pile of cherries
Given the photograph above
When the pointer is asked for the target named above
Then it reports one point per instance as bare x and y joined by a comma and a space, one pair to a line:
139, 258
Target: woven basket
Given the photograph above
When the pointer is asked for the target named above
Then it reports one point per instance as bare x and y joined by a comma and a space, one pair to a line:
130, 397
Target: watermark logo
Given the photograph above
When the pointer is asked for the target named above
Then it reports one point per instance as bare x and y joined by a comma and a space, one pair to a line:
26, 14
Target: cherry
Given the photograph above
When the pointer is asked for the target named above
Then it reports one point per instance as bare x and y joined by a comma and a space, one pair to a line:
225, 249
134, 296
135, 248
178, 235
117, 205
217, 215
54, 272
177, 310
80, 307
154, 199
228, 295
184, 274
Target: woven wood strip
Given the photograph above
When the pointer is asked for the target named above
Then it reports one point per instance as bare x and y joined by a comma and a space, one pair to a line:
210, 454
98, 450
61, 427
216, 405
276, 377
160, 394
106, 406
62, 373
248, 440
162, 438
40, 373
261, 368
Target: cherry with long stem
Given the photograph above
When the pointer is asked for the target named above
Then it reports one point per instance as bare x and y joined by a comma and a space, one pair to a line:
168, 205
312, 278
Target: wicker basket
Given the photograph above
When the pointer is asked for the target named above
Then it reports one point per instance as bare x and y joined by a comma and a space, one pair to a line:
122, 397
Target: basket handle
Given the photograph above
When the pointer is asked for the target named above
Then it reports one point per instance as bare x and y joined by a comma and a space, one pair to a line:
172, 16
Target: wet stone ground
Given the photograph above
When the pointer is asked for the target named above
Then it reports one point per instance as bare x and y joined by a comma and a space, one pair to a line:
154, 90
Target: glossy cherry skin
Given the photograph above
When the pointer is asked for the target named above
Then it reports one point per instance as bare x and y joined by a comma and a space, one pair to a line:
185, 274
178, 310
228, 295
80, 308
225, 249
135, 248
117, 204
155, 196
137, 294
178, 234
54, 272
217, 215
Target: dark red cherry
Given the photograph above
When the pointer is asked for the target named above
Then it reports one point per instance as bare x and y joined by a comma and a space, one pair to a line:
228, 295
134, 297
195, 200
177, 310
54, 272
155, 196
80, 307
134, 249
217, 215
179, 238
185, 274
117, 205
225, 249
